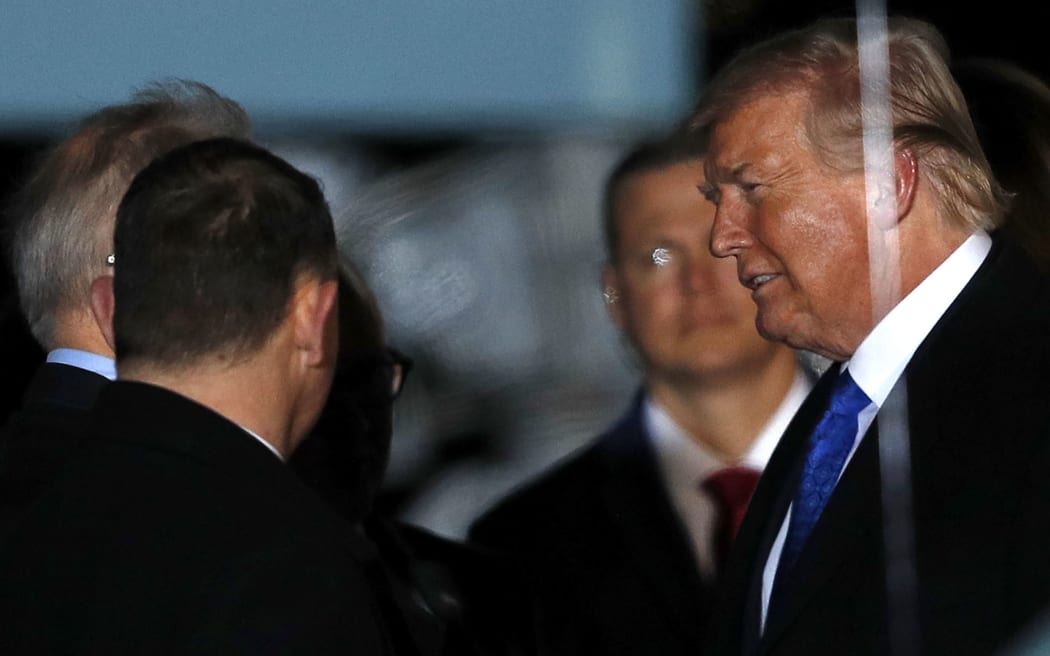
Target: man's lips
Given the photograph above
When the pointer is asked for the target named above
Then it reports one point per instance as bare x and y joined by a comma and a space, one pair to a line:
756, 281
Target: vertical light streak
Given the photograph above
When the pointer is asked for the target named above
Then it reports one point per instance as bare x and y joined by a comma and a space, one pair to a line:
884, 257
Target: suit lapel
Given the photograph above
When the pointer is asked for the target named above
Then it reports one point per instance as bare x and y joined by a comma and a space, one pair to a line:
641, 510
851, 522
843, 525
742, 585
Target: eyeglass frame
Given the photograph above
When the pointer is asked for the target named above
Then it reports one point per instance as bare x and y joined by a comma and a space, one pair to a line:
397, 363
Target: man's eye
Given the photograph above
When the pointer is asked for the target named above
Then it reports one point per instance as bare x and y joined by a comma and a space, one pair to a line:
661, 256
749, 187
710, 193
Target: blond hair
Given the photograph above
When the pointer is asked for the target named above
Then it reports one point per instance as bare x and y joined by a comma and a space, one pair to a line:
929, 114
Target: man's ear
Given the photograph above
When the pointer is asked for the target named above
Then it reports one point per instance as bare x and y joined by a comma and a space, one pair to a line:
314, 317
906, 169
611, 295
905, 181
102, 305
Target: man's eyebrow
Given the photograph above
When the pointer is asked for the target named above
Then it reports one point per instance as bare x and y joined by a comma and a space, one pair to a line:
721, 174
739, 170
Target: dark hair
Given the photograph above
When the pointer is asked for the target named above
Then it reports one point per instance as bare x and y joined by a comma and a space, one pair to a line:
644, 157
62, 220
210, 241
1011, 111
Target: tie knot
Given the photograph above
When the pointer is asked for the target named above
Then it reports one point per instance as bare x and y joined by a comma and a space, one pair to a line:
732, 486
847, 398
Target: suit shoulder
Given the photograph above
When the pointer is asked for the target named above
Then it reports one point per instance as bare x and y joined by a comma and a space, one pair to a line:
555, 497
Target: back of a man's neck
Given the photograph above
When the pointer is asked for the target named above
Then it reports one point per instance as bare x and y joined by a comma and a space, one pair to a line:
238, 393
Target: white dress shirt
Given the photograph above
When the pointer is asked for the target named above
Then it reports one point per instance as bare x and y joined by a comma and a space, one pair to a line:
881, 358
684, 464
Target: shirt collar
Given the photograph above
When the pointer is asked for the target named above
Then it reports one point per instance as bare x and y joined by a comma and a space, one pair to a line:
762, 448
881, 358
685, 461
93, 362
269, 446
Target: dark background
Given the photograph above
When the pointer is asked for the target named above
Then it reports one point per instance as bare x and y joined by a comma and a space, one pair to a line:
1008, 30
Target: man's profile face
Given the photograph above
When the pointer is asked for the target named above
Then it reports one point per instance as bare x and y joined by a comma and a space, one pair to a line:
681, 308
796, 228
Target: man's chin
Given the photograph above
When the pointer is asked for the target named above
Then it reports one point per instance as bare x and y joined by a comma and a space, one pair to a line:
784, 333
769, 329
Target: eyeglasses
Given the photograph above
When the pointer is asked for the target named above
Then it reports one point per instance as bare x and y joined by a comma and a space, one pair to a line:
400, 364
376, 378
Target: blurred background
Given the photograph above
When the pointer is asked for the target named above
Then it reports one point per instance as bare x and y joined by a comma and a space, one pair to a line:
463, 146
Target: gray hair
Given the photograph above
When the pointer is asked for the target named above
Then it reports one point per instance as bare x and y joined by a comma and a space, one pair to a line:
63, 218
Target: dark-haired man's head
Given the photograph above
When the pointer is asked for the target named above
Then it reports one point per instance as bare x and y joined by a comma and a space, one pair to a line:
225, 272
682, 310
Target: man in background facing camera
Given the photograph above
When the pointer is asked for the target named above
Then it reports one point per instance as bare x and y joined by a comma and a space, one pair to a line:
625, 540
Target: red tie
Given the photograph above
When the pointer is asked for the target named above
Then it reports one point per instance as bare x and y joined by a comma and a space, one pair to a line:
732, 488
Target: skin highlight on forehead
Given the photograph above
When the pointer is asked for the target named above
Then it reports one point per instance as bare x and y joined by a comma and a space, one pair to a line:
769, 125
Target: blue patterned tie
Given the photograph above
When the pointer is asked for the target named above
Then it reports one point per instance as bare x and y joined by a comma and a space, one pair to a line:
829, 445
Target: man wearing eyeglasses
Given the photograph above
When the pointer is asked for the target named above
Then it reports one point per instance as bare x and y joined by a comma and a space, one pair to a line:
439, 596
625, 540
178, 528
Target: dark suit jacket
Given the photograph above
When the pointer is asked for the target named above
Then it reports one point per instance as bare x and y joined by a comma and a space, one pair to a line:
437, 597
449, 597
174, 531
37, 439
978, 411
480, 601
611, 562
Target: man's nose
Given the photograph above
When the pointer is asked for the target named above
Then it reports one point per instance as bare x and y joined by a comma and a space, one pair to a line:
729, 233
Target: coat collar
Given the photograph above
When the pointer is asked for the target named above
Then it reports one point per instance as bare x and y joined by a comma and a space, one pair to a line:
63, 385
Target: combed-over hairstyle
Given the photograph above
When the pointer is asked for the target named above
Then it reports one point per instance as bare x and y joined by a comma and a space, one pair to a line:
929, 113
63, 218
